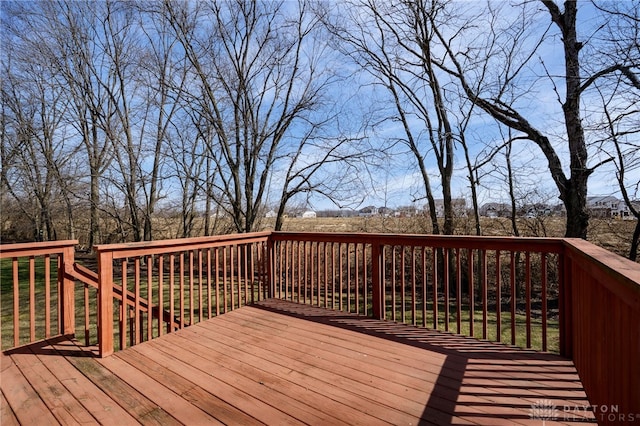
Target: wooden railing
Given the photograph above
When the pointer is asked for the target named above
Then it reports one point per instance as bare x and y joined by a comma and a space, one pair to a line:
163, 286
38, 297
551, 294
601, 326
501, 289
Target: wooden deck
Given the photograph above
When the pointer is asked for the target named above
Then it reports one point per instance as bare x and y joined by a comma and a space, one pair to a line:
283, 363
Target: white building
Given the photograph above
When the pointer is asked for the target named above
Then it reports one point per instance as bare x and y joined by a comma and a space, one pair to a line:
607, 206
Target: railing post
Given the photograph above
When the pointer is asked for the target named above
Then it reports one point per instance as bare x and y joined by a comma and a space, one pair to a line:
271, 258
66, 295
377, 281
105, 302
565, 315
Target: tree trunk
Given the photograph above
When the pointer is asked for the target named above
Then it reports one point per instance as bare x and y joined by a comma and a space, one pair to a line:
575, 193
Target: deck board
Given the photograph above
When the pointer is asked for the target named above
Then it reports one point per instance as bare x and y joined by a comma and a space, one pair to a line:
282, 363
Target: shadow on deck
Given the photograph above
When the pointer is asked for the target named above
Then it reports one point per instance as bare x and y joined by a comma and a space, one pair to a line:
278, 362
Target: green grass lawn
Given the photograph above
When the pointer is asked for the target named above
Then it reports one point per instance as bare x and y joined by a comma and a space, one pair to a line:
24, 298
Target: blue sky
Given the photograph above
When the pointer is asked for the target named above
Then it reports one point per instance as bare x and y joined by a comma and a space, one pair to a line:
400, 184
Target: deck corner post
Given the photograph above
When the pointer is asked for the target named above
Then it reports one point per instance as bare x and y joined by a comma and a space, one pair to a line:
105, 302
67, 292
377, 281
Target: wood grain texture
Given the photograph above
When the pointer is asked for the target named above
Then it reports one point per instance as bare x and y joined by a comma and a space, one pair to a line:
279, 362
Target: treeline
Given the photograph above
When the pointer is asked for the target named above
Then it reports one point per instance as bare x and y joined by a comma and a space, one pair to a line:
118, 115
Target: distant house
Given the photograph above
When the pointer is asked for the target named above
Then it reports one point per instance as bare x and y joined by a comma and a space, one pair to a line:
385, 211
270, 214
607, 206
368, 211
309, 214
495, 210
535, 210
407, 211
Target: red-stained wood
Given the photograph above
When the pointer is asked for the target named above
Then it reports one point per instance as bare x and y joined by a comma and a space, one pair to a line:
191, 283
65, 408
209, 287
527, 290
458, 291
435, 279
36, 249
377, 282
23, 399
286, 363
105, 303
124, 314
149, 262
299, 279
125, 250
181, 287
355, 277
425, 288
66, 297
402, 283
512, 287
394, 272
550, 245
16, 303
543, 292
199, 301
365, 299
7, 417
485, 299
602, 325
47, 295
87, 315
413, 286
136, 291
216, 262
172, 279
225, 281
472, 307
341, 278
498, 296
325, 274
446, 288
161, 294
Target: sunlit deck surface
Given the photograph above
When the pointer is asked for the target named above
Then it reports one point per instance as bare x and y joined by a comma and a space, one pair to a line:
283, 363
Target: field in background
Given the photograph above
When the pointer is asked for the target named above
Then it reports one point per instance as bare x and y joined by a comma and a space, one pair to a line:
613, 235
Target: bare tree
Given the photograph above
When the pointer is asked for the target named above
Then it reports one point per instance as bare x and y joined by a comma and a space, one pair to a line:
37, 158
256, 65
515, 53
618, 89
61, 37
620, 128
163, 78
394, 45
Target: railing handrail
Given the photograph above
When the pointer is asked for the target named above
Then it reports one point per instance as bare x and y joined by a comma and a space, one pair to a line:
35, 249
545, 244
124, 250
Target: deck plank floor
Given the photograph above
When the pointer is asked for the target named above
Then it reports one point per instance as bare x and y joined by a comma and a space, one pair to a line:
281, 363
